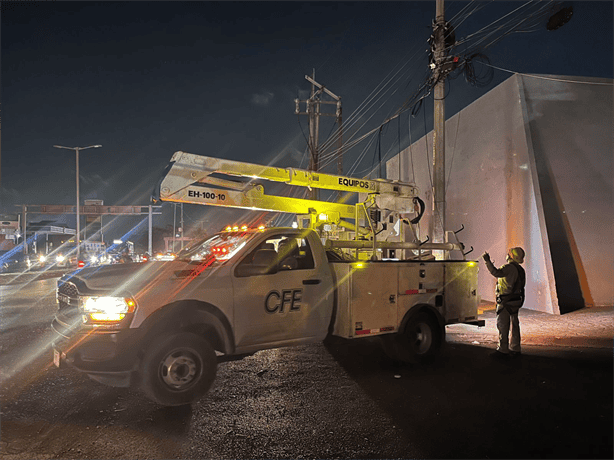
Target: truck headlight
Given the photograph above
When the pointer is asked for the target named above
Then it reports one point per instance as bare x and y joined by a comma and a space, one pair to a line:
106, 309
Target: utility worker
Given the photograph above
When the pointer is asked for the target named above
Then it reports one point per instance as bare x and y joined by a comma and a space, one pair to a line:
510, 297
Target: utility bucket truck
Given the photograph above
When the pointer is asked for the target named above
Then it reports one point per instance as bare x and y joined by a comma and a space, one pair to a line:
348, 270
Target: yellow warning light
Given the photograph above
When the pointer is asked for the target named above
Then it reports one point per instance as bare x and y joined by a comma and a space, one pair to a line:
236, 228
229, 229
244, 227
359, 265
261, 227
472, 264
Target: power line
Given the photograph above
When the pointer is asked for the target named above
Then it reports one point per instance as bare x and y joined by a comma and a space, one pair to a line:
585, 82
521, 19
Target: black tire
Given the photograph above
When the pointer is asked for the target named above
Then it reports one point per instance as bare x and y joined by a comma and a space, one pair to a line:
179, 369
419, 342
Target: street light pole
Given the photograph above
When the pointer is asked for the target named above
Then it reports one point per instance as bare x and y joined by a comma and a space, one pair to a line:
78, 229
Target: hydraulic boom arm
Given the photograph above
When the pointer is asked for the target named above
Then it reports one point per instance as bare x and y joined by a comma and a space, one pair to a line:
380, 209
197, 168
189, 180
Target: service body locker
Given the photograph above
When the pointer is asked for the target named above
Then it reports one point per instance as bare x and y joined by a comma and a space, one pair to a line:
375, 297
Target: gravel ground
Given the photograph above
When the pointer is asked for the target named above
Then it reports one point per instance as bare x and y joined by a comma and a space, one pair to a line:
341, 399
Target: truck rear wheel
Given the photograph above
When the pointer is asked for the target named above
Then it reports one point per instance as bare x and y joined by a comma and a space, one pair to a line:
419, 342
179, 369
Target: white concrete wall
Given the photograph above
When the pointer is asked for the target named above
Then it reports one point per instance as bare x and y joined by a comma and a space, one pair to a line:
571, 126
494, 188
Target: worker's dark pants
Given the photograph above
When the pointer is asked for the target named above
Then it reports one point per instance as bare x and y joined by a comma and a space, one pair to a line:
504, 321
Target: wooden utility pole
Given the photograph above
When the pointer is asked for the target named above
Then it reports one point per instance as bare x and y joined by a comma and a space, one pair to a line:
439, 138
313, 110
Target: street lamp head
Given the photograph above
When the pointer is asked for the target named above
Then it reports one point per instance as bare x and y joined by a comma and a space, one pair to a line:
77, 148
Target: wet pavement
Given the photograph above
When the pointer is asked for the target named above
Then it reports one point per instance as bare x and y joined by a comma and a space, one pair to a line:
18, 278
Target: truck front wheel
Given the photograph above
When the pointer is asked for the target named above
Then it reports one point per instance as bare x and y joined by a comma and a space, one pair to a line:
179, 369
419, 342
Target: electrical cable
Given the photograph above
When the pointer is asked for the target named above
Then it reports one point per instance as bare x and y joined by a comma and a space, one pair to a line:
374, 130
426, 143
349, 124
483, 38
473, 43
416, 219
398, 112
306, 140
399, 145
354, 166
512, 25
358, 112
453, 152
486, 28
365, 104
378, 146
411, 155
585, 82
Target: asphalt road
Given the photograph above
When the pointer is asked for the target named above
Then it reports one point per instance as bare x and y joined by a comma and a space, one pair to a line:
336, 400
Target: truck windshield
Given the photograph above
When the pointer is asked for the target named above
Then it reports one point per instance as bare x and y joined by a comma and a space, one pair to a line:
221, 247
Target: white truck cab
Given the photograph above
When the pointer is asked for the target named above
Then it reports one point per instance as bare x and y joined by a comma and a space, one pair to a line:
242, 291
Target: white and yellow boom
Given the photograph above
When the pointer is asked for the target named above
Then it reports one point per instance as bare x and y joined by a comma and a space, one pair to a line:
380, 210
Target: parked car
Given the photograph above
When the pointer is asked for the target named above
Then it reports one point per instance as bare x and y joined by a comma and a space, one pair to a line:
14, 260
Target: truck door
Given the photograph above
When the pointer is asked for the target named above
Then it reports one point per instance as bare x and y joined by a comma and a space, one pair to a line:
281, 295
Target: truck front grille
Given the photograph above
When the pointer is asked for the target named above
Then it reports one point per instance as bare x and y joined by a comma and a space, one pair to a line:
68, 317
68, 297
68, 289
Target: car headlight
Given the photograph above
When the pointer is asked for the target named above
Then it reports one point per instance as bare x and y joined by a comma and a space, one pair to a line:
42, 258
60, 258
106, 309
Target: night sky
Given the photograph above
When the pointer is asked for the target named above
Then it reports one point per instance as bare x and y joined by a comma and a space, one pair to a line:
146, 79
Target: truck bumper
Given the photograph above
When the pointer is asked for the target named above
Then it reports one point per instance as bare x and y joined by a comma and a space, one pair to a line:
109, 357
